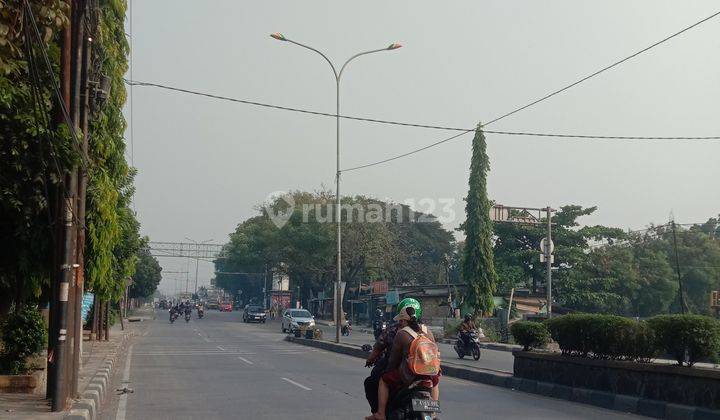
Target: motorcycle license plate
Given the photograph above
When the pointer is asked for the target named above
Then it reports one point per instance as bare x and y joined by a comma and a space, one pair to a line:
425, 405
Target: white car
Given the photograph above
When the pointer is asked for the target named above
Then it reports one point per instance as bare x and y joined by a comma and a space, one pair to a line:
293, 319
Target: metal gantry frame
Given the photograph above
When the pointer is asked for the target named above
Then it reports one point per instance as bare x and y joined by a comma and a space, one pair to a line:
531, 216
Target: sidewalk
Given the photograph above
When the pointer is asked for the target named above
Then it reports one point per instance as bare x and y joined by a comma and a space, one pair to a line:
98, 359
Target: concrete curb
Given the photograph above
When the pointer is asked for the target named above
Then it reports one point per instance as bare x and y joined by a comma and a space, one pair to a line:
616, 402
88, 406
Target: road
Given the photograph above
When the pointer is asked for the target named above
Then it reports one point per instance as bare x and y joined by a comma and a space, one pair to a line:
218, 367
501, 361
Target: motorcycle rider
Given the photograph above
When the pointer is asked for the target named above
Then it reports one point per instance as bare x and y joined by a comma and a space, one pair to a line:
397, 374
465, 328
378, 323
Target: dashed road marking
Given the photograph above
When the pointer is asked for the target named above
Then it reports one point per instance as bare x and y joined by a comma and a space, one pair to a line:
301, 386
221, 348
245, 360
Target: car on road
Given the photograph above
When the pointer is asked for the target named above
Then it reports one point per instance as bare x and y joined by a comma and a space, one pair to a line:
293, 319
226, 307
213, 304
254, 313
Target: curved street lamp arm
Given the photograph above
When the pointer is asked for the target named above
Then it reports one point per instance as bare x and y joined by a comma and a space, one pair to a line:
337, 76
356, 56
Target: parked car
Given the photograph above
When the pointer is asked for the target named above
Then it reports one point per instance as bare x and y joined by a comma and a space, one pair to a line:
226, 307
254, 313
293, 319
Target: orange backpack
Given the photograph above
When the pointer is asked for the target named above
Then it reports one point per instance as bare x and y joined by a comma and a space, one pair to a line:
424, 356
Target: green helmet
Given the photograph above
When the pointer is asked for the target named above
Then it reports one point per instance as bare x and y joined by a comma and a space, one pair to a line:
414, 303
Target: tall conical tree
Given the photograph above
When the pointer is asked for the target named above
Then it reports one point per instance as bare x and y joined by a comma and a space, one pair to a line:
478, 268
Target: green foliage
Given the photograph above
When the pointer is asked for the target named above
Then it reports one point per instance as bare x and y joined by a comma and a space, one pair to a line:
147, 274
688, 338
34, 155
401, 252
113, 239
603, 337
530, 334
24, 333
478, 267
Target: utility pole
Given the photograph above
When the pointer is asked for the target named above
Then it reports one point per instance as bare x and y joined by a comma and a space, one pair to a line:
61, 357
681, 295
548, 262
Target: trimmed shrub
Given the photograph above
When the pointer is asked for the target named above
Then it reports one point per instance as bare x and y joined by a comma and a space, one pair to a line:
603, 337
23, 334
530, 334
687, 338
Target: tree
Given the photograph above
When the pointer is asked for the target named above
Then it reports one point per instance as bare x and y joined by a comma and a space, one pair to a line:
478, 264
147, 273
403, 250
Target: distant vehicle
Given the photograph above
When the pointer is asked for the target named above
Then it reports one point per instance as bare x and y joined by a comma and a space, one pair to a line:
293, 319
254, 313
213, 304
226, 307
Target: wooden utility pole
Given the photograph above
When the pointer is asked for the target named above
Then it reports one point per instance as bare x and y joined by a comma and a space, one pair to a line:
58, 351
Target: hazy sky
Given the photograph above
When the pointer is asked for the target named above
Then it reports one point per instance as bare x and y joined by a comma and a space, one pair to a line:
204, 164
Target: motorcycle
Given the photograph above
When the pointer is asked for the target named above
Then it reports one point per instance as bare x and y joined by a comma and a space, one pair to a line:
173, 316
201, 313
378, 327
469, 346
187, 316
413, 402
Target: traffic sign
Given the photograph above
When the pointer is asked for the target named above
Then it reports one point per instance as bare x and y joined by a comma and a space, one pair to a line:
544, 245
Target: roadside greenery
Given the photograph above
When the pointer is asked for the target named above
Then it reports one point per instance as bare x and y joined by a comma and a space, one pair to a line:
530, 334
37, 152
687, 338
23, 333
404, 253
478, 268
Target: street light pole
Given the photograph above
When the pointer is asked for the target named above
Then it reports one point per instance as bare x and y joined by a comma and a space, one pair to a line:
197, 259
338, 76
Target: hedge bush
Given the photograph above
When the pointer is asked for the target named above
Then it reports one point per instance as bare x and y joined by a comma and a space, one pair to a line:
688, 338
603, 337
24, 333
530, 334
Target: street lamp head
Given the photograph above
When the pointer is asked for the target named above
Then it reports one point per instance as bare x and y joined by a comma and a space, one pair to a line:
278, 36
394, 46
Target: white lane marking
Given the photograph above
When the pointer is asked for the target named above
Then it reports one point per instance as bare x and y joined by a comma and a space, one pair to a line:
296, 384
206, 339
221, 348
195, 353
122, 404
245, 360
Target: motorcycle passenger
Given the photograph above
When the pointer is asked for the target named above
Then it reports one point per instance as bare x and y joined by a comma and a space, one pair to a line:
378, 359
397, 373
465, 328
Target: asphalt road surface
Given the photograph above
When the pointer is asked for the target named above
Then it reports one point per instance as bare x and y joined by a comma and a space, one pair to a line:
219, 368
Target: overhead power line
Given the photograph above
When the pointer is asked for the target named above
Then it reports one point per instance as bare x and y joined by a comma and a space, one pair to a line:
407, 124
467, 130
602, 70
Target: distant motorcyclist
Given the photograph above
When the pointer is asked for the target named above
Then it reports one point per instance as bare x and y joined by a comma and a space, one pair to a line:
467, 326
378, 323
